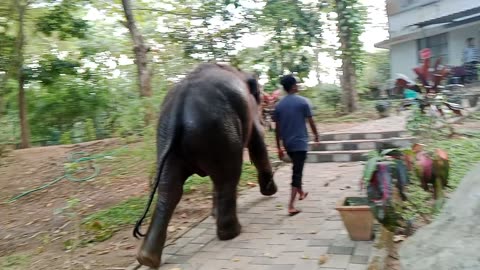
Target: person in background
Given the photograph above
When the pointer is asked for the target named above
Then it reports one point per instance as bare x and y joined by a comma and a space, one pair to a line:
471, 58
290, 117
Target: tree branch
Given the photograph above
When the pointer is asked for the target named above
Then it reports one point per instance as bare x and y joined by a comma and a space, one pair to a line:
168, 12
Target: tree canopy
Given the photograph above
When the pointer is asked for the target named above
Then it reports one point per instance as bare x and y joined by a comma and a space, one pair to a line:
65, 64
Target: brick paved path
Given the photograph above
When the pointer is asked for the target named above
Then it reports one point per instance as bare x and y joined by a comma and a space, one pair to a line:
272, 240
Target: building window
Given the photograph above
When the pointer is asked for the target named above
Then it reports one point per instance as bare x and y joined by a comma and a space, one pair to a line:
438, 44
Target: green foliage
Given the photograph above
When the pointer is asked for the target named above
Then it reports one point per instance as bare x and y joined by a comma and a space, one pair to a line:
66, 138
59, 18
219, 42
50, 68
90, 130
102, 224
296, 26
463, 154
68, 100
376, 70
417, 205
351, 24
423, 125
331, 95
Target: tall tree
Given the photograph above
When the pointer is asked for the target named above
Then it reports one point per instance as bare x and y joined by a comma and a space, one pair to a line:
57, 18
350, 23
21, 7
140, 50
209, 29
295, 28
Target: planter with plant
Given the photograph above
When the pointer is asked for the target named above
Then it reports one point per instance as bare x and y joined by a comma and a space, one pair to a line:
384, 170
387, 173
385, 177
356, 217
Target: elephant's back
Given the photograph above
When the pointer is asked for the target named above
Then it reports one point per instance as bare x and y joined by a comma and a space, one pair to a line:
215, 113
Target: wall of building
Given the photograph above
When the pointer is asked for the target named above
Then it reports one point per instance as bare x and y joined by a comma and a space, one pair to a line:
403, 58
456, 42
399, 21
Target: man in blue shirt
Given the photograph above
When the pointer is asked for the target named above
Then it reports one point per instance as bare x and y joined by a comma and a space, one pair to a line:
290, 116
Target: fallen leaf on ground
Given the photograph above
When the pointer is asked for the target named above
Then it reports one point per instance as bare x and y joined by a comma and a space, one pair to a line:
184, 215
305, 257
236, 259
171, 229
251, 184
323, 259
399, 238
103, 252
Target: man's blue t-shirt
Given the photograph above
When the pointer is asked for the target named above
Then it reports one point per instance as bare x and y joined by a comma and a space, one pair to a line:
290, 114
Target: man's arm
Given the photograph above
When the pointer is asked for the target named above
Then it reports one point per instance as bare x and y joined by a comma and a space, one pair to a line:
277, 138
309, 115
314, 128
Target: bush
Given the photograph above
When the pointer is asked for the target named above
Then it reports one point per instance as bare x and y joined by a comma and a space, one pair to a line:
89, 130
331, 95
66, 138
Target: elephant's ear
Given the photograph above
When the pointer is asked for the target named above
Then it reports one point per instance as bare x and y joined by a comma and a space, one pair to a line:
254, 89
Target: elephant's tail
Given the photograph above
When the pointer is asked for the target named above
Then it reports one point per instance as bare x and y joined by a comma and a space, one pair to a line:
171, 127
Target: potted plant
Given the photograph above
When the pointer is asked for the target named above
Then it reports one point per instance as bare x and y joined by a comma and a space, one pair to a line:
380, 172
357, 217
384, 171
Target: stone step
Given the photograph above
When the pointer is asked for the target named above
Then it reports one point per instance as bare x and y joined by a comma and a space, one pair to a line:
363, 135
346, 145
336, 156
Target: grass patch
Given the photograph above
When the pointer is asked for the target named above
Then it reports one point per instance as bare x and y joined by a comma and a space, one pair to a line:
101, 225
15, 262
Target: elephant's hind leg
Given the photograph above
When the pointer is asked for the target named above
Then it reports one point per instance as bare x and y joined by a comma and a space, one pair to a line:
170, 191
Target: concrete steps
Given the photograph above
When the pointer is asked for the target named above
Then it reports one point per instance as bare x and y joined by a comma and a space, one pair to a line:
347, 147
363, 135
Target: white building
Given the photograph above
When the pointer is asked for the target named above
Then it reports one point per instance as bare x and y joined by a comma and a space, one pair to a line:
441, 25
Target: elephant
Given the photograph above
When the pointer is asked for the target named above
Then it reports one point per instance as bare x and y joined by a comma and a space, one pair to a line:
206, 121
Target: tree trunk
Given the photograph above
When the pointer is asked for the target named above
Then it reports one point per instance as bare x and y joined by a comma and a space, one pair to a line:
348, 80
22, 103
348, 77
141, 60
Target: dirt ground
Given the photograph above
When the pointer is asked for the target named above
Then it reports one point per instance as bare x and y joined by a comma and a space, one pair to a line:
34, 230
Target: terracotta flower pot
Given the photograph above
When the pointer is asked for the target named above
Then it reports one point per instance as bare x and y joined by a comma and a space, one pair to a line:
357, 217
